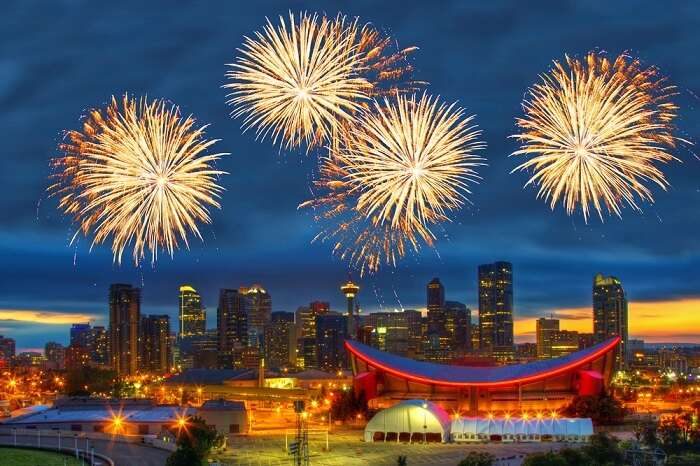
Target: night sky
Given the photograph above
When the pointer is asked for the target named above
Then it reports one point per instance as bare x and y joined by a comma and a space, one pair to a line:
60, 58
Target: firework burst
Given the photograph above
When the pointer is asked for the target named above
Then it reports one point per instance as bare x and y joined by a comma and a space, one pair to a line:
413, 161
295, 81
138, 173
593, 131
300, 81
357, 237
384, 187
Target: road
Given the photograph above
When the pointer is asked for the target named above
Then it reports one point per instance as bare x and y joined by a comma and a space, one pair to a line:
123, 454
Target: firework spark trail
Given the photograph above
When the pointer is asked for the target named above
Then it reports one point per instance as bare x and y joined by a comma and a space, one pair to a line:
594, 130
137, 173
295, 81
299, 81
414, 161
384, 187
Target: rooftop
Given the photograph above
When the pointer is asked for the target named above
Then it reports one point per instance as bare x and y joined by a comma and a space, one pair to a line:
440, 374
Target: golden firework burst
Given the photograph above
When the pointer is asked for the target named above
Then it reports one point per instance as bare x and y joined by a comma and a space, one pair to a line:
295, 81
413, 161
138, 172
356, 237
384, 186
593, 131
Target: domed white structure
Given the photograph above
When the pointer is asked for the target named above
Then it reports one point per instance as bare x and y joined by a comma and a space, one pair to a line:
410, 420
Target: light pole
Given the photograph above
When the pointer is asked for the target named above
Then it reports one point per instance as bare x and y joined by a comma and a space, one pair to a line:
59, 440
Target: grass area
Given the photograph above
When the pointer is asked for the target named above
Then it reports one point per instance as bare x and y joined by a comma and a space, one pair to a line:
21, 457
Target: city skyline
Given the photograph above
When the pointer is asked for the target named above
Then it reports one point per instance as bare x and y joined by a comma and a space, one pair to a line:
643, 317
48, 285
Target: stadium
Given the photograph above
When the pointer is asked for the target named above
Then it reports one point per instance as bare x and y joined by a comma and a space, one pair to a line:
387, 379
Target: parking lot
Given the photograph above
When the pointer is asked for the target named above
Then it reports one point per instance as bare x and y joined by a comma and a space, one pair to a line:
347, 449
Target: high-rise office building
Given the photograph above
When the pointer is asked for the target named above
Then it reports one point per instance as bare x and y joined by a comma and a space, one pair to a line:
545, 329
305, 318
350, 291
155, 344
458, 318
79, 334
97, 340
232, 322
436, 341
414, 322
280, 340
192, 315
55, 354
564, 342
610, 314
388, 331
496, 310
76, 357
7, 348
435, 294
124, 321
259, 310
331, 332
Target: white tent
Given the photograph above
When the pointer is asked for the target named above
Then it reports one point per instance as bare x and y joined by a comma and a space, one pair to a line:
472, 429
413, 419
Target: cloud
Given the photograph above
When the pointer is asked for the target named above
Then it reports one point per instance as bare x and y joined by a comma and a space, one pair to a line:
44, 317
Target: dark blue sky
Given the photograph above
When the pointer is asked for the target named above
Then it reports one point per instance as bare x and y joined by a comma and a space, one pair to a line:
59, 58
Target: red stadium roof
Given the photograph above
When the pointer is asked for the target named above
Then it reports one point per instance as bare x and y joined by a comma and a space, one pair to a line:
462, 376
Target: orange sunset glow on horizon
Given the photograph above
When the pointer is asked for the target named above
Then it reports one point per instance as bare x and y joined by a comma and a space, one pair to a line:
653, 321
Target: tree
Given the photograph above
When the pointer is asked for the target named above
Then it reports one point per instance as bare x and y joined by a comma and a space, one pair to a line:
645, 433
574, 457
97, 381
603, 409
349, 405
478, 458
603, 450
671, 433
545, 459
184, 457
194, 442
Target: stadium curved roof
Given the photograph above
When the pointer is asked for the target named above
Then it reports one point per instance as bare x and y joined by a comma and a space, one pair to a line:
440, 374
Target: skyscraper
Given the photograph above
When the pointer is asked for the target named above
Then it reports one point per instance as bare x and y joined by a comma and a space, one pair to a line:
435, 294
496, 310
155, 344
7, 348
610, 314
331, 332
192, 315
458, 319
97, 341
79, 334
260, 308
546, 329
232, 320
55, 354
280, 340
350, 291
436, 344
124, 321
306, 318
